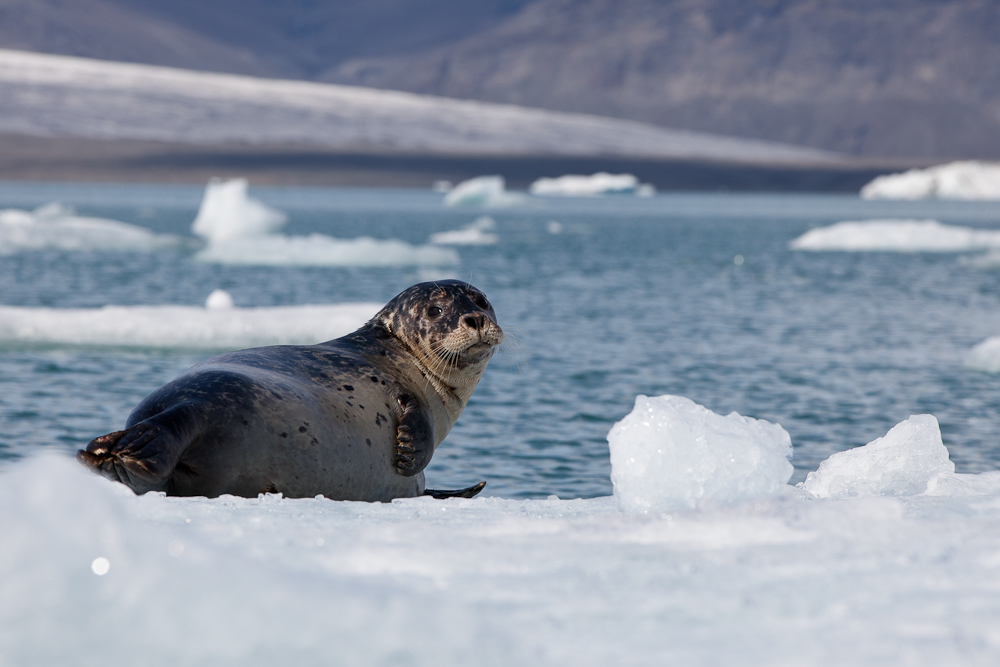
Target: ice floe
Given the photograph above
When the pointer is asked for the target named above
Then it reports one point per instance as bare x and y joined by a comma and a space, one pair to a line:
218, 325
968, 179
487, 191
896, 236
601, 183
985, 356
670, 453
478, 232
57, 227
240, 230
857, 566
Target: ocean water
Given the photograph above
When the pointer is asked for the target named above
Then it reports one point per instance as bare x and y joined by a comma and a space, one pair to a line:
690, 294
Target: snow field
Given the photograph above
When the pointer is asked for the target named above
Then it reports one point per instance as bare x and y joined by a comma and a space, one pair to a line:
787, 578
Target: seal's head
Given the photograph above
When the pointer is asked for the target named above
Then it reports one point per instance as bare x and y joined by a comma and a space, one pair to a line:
449, 326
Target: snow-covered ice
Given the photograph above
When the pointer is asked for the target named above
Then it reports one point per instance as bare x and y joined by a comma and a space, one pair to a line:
670, 453
94, 575
57, 227
573, 185
478, 232
896, 236
51, 95
968, 179
240, 230
218, 325
489, 191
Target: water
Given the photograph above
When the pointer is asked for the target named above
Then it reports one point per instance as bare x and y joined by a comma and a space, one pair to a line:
634, 296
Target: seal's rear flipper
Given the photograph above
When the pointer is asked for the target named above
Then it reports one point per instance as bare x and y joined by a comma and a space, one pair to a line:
141, 457
460, 493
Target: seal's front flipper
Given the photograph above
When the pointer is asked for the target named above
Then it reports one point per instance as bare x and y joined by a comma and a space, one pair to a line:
414, 437
142, 457
460, 493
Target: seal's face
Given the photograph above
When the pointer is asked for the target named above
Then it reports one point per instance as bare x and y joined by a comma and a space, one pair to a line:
449, 325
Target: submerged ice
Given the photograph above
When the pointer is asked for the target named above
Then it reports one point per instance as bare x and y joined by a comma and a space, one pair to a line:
240, 230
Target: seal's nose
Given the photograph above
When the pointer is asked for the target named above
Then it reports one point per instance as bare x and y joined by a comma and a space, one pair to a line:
475, 321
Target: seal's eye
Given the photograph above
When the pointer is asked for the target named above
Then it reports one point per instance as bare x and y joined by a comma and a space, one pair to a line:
434, 311
481, 301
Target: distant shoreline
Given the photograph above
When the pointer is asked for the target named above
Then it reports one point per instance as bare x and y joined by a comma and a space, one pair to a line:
30, 158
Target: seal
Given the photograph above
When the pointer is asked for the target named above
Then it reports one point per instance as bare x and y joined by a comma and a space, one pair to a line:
356, 418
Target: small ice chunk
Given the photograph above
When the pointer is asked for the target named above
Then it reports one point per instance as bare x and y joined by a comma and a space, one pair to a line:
958, 485
671, 453
985, 356
896, 236
554, 227
227, 213
219, 299
899, 464
442, 186
574, 185
968, 179
478, 232
481, 191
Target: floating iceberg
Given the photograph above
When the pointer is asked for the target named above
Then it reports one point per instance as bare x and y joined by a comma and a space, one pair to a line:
670, 453
479, 232
601, 183
489, 191
955, 180
896, 236
240, 230
57, 227
218, 325
227, 212
985, 356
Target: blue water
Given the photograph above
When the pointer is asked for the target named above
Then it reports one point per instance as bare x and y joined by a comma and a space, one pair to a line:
635, 296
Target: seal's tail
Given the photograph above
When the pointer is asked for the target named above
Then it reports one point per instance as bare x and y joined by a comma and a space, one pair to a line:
134, 457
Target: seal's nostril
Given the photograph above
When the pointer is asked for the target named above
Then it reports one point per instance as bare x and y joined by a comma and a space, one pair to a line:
477, 321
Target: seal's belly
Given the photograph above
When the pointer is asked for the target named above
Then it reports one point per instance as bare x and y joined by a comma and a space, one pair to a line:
301, 440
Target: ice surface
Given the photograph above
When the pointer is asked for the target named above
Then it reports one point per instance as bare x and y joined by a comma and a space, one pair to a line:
955, 180
899, 464
572, 185
670, 453
264, 581
57, 227
482, 191
241, 231
51, 95
216, 326
227, 212
478, 232
896, 236
985, 356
